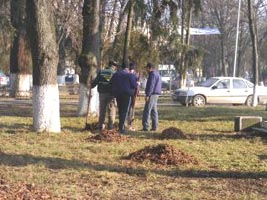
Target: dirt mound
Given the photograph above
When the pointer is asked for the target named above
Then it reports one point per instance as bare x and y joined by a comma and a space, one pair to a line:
162, 154
22, 192
172, 133
92, 127
108, 136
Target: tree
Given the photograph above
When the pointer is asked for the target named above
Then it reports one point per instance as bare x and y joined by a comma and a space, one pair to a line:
89, 59
6, 33
41, 29
128, 33
20, 57
255, 56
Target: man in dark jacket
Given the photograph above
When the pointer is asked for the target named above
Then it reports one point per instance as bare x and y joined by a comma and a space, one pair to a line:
106, 100
152, 92
124, 85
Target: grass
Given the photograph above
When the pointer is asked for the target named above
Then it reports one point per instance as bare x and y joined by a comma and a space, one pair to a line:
231, 165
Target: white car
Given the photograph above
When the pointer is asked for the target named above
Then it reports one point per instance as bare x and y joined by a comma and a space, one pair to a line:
4, 80
220, 90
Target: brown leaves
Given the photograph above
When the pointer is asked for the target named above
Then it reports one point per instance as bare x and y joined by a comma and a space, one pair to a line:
163, 154
108, 136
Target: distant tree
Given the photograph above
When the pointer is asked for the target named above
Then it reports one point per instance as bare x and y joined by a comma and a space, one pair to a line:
45, 94
6, 33
20, 56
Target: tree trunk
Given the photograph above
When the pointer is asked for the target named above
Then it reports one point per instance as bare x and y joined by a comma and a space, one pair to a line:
118, 29
41, 27
112, 20
20, 57
90, 54
254, 39
127, 38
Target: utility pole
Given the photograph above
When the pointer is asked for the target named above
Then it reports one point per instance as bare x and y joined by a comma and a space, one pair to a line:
237, 34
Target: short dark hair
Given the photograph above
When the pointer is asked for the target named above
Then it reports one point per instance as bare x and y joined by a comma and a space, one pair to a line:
150, 65
112, 63
132, 66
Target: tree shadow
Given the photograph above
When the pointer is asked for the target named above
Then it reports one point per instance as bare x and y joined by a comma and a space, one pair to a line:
20, 160
16, 128
202, 137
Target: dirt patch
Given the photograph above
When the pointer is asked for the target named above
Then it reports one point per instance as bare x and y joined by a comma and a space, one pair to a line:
108, 136
162, 154
172, 133
92, 127
22, 192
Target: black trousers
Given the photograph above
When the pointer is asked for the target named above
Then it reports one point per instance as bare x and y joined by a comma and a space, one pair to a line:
123, 103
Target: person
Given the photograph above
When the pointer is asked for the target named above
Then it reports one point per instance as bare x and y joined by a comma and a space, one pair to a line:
152, 92
123, 86
106, 101
130, 116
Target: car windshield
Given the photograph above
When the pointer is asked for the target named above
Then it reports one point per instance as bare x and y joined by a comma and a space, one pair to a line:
209, 82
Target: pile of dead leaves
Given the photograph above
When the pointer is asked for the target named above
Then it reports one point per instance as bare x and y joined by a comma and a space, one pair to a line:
22, 192
92, 127
172, 133
162, 154
108, 136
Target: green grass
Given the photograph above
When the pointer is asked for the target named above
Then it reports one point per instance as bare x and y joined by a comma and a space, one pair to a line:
231, 165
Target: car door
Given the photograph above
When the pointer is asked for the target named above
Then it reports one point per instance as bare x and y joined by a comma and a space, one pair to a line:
220, 92
240, 91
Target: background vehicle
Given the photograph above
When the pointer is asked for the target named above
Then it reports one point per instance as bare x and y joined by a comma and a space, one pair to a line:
220, 90
4, 80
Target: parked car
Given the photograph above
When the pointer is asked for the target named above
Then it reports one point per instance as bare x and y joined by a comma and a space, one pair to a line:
220, 90
4, 80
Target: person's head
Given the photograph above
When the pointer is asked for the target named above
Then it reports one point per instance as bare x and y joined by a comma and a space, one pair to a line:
132, 67
113, 65
124, 66
150, 67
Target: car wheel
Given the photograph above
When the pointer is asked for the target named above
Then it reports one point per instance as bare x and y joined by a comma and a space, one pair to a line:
199, 100
249, 101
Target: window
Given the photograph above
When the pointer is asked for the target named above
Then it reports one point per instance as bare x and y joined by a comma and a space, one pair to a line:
223, 84
239, 84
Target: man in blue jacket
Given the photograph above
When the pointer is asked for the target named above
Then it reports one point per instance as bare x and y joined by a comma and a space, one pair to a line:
123, 84
152, 92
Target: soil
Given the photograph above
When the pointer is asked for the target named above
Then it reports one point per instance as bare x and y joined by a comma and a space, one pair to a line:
22, 192
172, 133
92, 127
108, 136
163, 154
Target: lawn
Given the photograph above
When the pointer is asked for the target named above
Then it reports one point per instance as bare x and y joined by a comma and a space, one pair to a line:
230, 165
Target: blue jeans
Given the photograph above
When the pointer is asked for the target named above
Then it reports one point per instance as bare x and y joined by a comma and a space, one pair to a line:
151, 110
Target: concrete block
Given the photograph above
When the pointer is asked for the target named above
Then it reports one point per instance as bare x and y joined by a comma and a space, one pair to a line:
246, 123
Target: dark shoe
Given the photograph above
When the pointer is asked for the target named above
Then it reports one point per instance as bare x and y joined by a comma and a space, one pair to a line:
122, 131
153, 129
144, 129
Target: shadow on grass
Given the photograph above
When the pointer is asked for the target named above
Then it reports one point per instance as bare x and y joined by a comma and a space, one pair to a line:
25, 110
16, 110
208, 113
204, 137
59, 163
16, 128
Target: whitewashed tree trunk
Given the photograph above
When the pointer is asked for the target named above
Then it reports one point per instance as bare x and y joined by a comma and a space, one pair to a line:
255, 96
89, 59
46, 116
46, 113
23, 86
83, 102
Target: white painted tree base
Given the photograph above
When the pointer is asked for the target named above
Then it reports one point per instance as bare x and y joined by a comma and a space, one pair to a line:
83, 102
46, 113
23, 85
